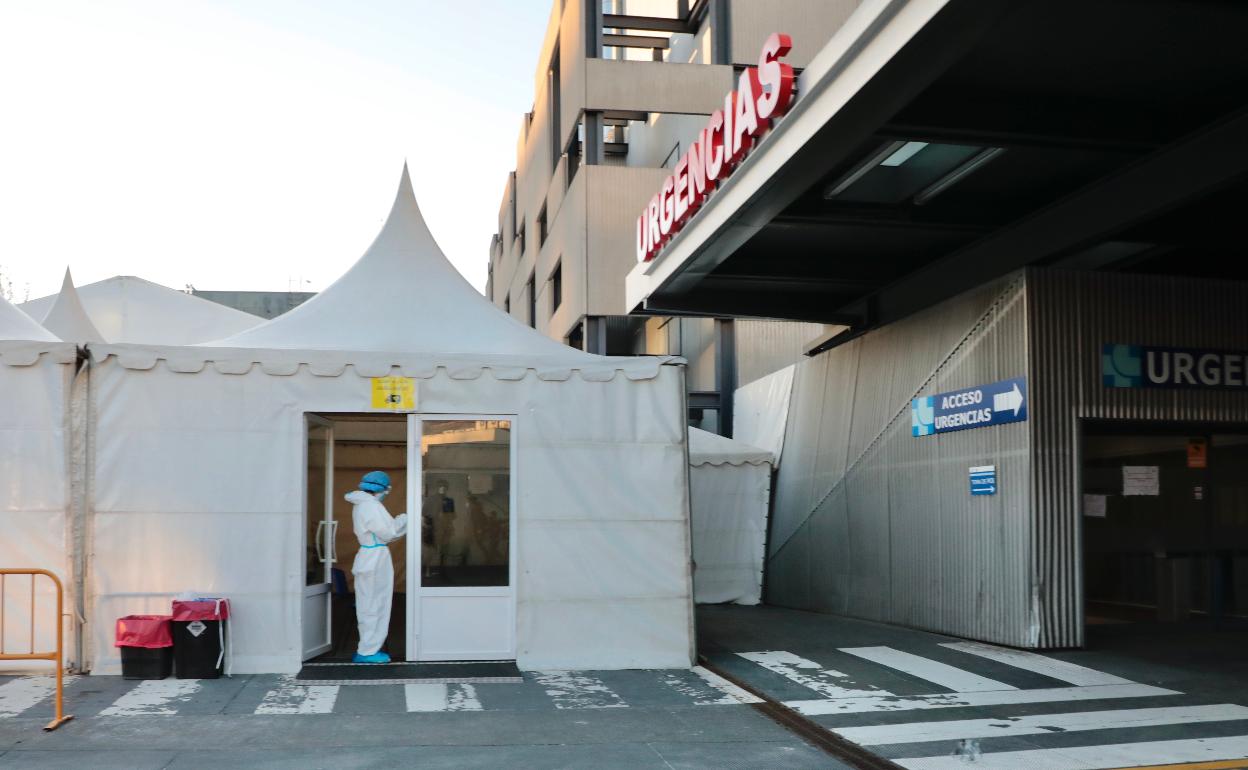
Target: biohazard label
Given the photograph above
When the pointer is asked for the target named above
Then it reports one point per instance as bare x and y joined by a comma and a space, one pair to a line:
196, 628
394, 393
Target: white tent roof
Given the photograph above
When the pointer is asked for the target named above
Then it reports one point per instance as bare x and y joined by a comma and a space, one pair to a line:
706, 448
16, 325
126, 309
68, 319
403, 295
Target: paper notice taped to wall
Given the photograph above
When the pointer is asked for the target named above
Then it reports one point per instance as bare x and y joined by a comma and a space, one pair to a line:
1094, 505
1141, 480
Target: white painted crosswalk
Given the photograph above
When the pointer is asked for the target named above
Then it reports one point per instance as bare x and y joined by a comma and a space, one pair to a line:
1100, 757
938, 673
25, 692
292, 698
1039, 724
578, 690
1053, 668
158, 697
962, 675
441, 697
828, 682
826, 706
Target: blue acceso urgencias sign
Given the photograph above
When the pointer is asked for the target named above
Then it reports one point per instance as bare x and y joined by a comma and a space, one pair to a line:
976, 407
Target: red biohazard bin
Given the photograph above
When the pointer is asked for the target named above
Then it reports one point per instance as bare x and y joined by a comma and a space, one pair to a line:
146, 644
199, 637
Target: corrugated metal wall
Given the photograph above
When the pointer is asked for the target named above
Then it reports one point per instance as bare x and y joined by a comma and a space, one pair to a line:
764, 347
874, 523
1073, 316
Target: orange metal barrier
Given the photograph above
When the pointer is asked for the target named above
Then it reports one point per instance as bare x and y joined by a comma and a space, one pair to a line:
57, 655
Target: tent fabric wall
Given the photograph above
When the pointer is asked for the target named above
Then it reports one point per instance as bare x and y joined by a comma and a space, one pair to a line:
729, 493
198, 485
761, 411
35, 380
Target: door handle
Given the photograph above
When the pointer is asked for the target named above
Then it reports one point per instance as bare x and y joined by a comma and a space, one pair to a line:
320, 551
333, 542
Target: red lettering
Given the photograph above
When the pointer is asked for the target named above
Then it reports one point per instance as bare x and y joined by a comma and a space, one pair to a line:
680, 201
763, 94
745, 121
713, 147
697, 172
666, 214
775, 78
652, 225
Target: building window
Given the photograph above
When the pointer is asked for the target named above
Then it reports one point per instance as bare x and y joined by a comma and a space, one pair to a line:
556, 287
576, 338
507, 304
541, 227
531, 288
520, 240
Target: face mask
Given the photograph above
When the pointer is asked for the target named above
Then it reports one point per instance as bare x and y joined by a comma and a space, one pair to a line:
382, 495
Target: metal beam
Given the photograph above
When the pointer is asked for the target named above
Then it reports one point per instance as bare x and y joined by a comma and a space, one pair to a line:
1199, 164
646, 23
725, 371
592, 151
636, 41
813, 308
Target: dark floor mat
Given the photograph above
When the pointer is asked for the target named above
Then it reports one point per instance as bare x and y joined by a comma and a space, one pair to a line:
470, 672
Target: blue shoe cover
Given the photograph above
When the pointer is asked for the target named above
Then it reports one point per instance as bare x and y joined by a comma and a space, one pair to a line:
376, 657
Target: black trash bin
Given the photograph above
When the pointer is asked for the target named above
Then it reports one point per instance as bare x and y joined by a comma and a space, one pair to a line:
199, 638
146, 646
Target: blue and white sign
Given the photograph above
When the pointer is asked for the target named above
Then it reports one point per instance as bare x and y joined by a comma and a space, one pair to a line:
977, 407
1143, 366
984, 480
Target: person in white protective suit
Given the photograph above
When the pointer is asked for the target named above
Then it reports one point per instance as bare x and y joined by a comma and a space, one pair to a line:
373, 568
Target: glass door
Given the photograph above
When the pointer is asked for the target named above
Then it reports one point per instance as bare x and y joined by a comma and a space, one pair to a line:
320, 530
462, 606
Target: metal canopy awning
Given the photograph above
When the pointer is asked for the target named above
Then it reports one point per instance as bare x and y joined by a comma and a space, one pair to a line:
986, 136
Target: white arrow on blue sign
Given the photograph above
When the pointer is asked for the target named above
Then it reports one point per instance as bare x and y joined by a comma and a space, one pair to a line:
976, 407
984, 480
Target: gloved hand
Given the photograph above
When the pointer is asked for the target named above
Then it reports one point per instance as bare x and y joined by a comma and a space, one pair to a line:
400, 525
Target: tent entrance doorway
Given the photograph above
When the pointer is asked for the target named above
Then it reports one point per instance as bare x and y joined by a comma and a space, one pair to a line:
341, 448
1165, 524
454, 595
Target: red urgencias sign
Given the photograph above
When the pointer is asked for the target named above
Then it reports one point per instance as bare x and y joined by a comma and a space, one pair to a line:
763, 93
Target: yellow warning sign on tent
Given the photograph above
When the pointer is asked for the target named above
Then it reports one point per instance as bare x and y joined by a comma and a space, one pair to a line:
395, 393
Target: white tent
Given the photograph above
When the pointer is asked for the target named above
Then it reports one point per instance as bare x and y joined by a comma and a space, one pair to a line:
125, 309
729, 494
202, 468
36, 377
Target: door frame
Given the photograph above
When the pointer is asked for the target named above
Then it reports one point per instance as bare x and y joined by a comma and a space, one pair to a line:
415, 500
330, 527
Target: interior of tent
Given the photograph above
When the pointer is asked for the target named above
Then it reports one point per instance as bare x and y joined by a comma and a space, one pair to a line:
400, 366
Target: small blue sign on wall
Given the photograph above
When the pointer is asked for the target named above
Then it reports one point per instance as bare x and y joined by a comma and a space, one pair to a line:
984, 480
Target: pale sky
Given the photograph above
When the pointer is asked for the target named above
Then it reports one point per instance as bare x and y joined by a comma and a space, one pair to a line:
251, 144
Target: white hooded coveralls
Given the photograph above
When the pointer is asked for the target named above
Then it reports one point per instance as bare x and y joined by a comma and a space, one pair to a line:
373, 568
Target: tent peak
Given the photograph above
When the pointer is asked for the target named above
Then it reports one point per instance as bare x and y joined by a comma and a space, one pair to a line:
67, 318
